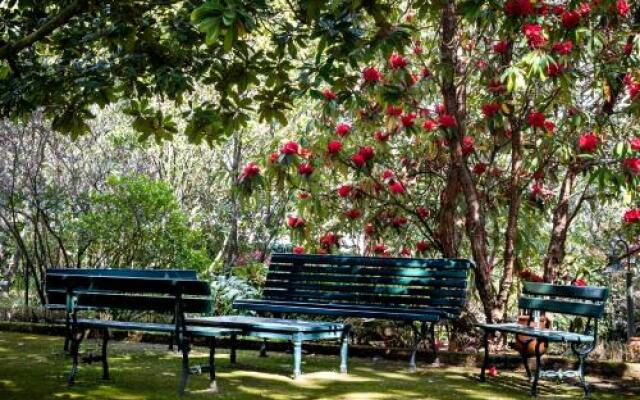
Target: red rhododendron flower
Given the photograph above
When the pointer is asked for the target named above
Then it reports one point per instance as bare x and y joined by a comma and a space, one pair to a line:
371, 75
422, 212
417, 48
628, 48
249, 171
329, 239
518, 8
623, 8
353, 213
535, 36
369, 229
555, 69
631, 216
405, 252
467, 145
570, 19
366, 152
584, 9
580, 282
379, 248
289, 148
429, 125
396, 187
563, 48
399, 221
492, 371
501, 47
343, 129
490, 110
305, 169
495, 86
394, 111
632, 165
479, 168
422, 246
298, 249
387, 174
295, 222
635, 144
334, 147
273, 157
440, 109
398, 62
381, 137
303, 195
447, 121
425, 73
558, 9
344, 190
408, 119
588, 142
358, 160
536, 119
328, 94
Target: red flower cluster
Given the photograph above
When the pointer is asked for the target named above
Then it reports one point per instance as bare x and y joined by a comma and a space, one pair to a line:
563, 48
632, 165
408, 119
536, 119
334, 147
394, 111
399, 222
467, 145
298, 249
422, 212
447, 121
501, 47
371, 75
289, 148
344, 190
528, 275
535, 35
422, 246
555, 69
631, 216
353, 213
329, 95
379, 249
490, 110
479, 168
623, 8
398, 62
570, 19
381, 137
295, 222
635, 144
396, 187
249, 171
588, 142
580, 282
519, 8
305, 169
343, 129
429, 125
633, 86
329, 240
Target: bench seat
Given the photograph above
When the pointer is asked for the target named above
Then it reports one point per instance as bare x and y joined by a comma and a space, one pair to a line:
153, 327
266, 324
548, 335
341, 310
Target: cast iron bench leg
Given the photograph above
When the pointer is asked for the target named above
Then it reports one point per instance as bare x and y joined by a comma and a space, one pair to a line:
344, 350
185, 347
485, 363
105, 363
232, 351
536, 376
263, 348
583, 379
297, 355
76, 338
213, 386
525, 361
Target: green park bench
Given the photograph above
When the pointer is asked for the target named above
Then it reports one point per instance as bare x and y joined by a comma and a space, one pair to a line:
586, 302
172, 293
426, 291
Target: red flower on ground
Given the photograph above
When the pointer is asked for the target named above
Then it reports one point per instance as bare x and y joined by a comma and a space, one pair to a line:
328, 94
447, 121
371, 75
490, 110
492, 371
353, 213
305, 169
536, 119
631, 216
408, 119
632, 165
588, 142
289, 148
344, 190
398, 62
343, 129
467, 145
334, 147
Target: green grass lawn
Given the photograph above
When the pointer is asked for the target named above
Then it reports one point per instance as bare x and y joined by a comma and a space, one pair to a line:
32, 368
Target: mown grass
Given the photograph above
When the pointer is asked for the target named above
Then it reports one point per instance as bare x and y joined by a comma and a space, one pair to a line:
33, 368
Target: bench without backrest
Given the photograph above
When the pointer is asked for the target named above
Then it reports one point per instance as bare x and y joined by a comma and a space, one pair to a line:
586, 302
172, 293
401, 289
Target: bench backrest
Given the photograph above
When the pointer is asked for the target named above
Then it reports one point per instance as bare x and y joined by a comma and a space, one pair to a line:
396, 282
586, 301
163, 291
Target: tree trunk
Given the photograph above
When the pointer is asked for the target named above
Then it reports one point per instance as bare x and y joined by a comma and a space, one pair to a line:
446, 234
231, 245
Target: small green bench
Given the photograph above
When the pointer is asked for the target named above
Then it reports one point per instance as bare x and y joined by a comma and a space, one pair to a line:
587, 302
426, 291
168, 292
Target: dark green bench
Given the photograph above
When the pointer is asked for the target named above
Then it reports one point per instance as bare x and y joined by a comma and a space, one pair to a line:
426, 291
168, 292
587, 302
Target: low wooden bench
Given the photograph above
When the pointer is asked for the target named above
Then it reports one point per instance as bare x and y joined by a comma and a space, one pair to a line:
586, 302
170, 293
426, 291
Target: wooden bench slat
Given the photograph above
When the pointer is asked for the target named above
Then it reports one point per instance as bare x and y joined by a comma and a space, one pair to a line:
576, 292
562, 307
125, 272
356, 290
141, 303
130, 284
370, 261
397, 301
367, 279
371, 271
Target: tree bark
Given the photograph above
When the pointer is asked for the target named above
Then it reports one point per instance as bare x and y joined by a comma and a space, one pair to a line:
231, 244
446, 233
